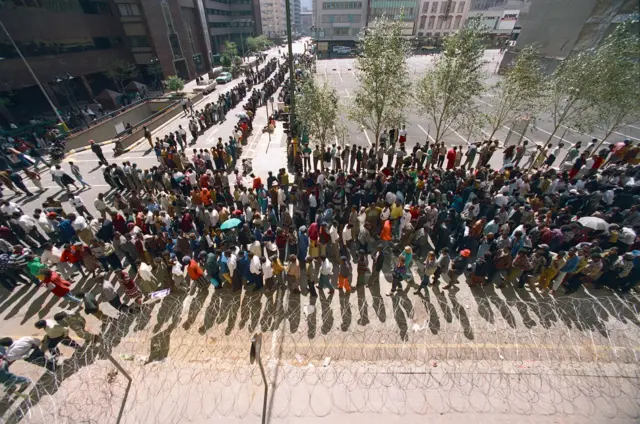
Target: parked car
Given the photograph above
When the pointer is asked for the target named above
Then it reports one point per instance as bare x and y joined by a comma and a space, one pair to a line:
224, 78
342, 49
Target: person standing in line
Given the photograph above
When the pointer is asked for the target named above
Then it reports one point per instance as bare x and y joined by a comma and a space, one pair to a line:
293, 274
399, 272
378, 262
182, 140
344, 274
97, 150
75, 170
312, 268
442, 265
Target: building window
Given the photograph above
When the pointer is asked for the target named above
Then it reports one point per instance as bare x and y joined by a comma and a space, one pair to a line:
425, 7
461, 7
428, 34
439, 24
452, 8
341, 31
423, 22
447, 23
434, 7
128, 9
456, 23
330, 19
342, 5
138, 41
443, 7
431, 21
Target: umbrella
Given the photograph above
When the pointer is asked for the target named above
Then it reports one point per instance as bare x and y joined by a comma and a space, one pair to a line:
242, 115
594, 223
230, 223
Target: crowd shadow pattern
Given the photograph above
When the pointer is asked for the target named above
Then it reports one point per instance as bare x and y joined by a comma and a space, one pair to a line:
188, 357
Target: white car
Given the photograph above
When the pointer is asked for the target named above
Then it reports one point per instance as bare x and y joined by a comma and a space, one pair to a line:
341, 49
224, 78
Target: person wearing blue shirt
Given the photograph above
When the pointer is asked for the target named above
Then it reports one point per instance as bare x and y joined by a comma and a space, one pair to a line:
517, 243
67, 233
491, 227
571, 264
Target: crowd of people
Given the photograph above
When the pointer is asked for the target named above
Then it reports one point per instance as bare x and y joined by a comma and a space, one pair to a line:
431, 212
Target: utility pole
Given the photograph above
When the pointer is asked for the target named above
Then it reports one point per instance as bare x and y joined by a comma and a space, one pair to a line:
292, 86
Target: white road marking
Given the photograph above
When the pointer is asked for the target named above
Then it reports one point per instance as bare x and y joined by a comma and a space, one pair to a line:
347, 91
633, 126
340, 74
367, 135
214, 138
426, 132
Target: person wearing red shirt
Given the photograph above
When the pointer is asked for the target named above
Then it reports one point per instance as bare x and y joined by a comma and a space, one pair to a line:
72, 256
257, 182
451, 157
58, 286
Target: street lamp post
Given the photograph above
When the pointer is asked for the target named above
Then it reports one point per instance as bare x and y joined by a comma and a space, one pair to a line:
44, 92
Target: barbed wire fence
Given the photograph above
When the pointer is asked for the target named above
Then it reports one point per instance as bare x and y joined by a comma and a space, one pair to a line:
188, 358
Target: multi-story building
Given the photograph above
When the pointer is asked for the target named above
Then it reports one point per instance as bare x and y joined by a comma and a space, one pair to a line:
438, 19
405, 11
499, 17
297, 16
306, 21
559, 28
78, 41
229, 20
337, 23
274, 21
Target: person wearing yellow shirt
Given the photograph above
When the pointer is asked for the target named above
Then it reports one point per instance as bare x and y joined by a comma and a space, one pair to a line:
396, 214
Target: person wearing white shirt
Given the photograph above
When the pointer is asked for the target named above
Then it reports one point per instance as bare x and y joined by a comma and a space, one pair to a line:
8, 208
390, 198
501, 200
30, 227
255, 271
320, 180
607, 197
267, 272
346, 235
385, 214
281, 197
215, 217
324, 274
79, 206
26, 348
405, 218
45, 222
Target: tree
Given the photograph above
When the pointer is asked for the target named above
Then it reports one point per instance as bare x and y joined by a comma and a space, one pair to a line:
174, 83
230, 49
257, 44
120, 71
446, 92
385, 89
616, 95
518, 94
568, 96
317, 110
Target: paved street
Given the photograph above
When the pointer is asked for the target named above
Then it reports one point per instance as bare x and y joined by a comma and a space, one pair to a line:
342, 74
447, 357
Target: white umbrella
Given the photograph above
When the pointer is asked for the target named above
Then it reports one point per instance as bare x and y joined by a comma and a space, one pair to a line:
594, 223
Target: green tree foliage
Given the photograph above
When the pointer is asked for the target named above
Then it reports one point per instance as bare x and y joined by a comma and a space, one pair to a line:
446, 92
174, 83
385, 89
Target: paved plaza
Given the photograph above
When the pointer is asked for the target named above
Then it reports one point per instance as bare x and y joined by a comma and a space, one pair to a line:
448, 357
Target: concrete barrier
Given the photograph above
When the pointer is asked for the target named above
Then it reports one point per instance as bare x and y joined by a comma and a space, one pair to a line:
106, 130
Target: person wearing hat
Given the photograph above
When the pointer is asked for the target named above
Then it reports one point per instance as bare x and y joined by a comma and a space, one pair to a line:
97, 150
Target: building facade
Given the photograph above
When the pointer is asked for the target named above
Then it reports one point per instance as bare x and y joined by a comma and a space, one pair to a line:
306, 22
404, 11
229, 20
500, 17
71, 45
437, 19
274, 20
297, 17
337, 23
559, 28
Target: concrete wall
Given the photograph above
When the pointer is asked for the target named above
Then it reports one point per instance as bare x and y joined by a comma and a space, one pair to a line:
157, 121
106, 129
555, 25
